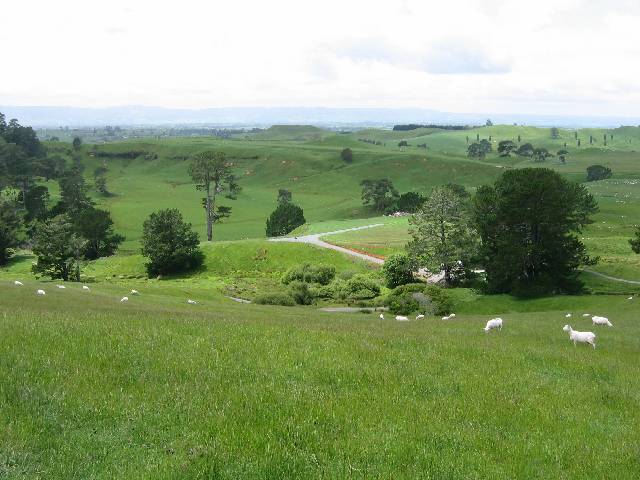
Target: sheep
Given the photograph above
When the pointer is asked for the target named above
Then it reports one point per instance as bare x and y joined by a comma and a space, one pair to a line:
586, 314
18, 283
381, 316
596, 320
85, 288
40, 292
493, 323
134, 292
419, 317
568, 315
630, 298
449, 317
401, 318
582, 337
191, 302
61, 287
124, 299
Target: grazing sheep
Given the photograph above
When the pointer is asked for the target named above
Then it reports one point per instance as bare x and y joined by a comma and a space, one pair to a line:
40, 292
419, 317
630, 298
18, 283
493, 323
586, 314
381, 316
401, 318
449, 317
191, 302
596, 320
61, 287
582, 337
135, 292
568, 315
85, 288
124, 299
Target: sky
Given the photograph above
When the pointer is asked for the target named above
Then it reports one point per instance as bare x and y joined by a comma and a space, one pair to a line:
558, 57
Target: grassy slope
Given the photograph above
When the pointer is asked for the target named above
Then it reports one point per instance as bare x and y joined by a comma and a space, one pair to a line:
155, 388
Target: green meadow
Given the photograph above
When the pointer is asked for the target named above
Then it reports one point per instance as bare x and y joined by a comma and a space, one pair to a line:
91, 387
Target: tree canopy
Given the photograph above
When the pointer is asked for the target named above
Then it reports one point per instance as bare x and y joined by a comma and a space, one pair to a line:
380, 194
598, 172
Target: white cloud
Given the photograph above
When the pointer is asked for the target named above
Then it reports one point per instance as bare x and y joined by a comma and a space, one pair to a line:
502, 56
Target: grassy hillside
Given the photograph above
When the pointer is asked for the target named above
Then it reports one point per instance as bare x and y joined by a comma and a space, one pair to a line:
155, 388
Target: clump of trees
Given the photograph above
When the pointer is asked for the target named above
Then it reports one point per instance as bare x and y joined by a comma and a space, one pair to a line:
286, 217
379, 194
398, 269
409, 202
506, 147
635, 241
479, 149
213, 175
346, 155
10, 228
59, 249
170, 244
598, 172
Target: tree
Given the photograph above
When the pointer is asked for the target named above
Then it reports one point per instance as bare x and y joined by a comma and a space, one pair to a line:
635, 241
442, 234
10, 225
562, 155
598, 172
73, 194
479, 149
398, 269
284, 219
100, 180
58, 249
541, 154
379, 193
505, 147
284, 196
77, 143
35, 202
212, 174
96, 227
402, 144
528, 221
488, 123
525, 150
555, 133
410, 202
170, 244
347, 155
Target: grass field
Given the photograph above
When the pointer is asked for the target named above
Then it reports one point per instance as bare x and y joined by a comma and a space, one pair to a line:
156, 388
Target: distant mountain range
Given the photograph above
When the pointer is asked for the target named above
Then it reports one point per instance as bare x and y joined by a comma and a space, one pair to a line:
250, 117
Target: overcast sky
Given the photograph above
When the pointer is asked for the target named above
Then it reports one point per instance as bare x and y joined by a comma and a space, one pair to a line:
570, 57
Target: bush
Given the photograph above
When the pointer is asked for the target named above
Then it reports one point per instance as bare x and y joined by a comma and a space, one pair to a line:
301, 293
360, 287
275, 298
322, 274
398, 270
347, 155
598, 172
410, 202
414, 297
440, 299
170, 243
284, 219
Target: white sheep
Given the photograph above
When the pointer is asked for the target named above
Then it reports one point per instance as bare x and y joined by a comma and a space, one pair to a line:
381, 316
40, 292
449, 317
596, 320
581, 337
586, 314
493, 323
61, 287
124, 299
85, 288
401, 318
191, 302
630, 298
419, 317
18, 283
134, 292
568, 315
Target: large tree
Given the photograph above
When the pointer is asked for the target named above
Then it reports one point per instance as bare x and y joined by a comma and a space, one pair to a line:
213, 175
505, 147
96, 227
479, 149
10, 223
58, 249
442, 234
528, 221
380, 194
598, 172
635, 241
284, 219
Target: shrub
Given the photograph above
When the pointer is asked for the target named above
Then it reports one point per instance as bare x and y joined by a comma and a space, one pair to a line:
322, 274
398, 270
410, 202
360, 287
284, 219
347, 155
301, 293
598, 172
413, 297
275, 298
440, 299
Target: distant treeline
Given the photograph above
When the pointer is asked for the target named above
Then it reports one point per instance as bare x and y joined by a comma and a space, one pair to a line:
129, 154
415, 126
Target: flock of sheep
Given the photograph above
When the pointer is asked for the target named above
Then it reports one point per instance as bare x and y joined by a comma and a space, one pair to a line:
87, 289
496, 323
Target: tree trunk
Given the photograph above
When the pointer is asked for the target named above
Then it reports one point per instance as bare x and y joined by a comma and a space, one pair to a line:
209, 206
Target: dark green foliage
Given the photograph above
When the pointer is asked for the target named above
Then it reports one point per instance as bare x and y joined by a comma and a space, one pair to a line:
403, 143
635, 241
541, 154
380, 194
275, 298
170, 244
505, 147
528, 223
73, 193
308, 273
35, 202
10, 223
284, 196
418, 297
360, 287
284, 219
459, 190
301, 293
58, 248
525, 150
398, 269
441, 300
77, 143
479, 149
488, 123
100, 180
346, 155
555, 133
410, 202
562, 155
96, 227
598, 172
